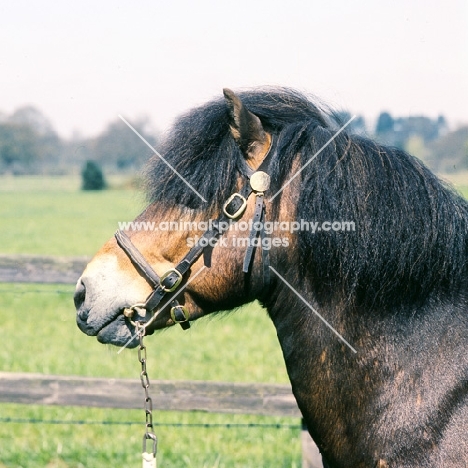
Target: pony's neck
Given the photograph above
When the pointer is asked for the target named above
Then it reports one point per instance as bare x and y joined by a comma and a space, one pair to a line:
308, 349
343, 394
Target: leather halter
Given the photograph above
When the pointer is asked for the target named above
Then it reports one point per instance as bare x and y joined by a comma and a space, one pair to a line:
168, 284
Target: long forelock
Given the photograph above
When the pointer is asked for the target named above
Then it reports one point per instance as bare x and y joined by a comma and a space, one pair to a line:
205, 162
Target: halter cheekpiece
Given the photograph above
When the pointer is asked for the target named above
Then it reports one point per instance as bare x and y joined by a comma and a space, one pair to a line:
168, 285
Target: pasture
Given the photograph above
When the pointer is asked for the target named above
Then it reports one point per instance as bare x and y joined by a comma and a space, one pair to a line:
51, 216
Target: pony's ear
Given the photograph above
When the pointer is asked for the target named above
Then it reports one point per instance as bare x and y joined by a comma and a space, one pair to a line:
246, 128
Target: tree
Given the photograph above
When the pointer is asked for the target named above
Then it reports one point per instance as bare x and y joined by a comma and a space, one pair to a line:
385, 123
119, 148
18, 148
449, 153
33, 118
92, 177
356, 126
28, 143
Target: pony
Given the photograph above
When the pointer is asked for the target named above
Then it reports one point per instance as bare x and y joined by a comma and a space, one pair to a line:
372, 321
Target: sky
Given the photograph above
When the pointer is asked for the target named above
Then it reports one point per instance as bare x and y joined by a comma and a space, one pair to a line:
84, 63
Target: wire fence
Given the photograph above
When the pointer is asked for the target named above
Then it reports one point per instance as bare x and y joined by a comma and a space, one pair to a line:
138, 423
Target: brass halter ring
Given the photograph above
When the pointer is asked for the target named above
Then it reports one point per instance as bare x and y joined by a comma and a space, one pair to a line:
129, 312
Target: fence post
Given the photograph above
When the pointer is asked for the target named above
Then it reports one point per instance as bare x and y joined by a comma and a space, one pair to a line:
311, 457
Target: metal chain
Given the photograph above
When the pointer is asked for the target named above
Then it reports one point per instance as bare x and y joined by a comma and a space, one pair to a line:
149, 458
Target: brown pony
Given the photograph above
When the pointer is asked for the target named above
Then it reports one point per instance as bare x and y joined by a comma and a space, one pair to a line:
358, 252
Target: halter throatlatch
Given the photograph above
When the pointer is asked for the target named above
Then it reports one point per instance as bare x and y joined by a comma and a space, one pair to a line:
167, 286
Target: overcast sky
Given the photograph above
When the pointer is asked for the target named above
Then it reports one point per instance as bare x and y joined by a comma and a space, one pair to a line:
83, 63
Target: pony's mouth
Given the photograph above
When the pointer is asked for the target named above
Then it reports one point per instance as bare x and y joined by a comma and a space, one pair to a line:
118, 332
116, 329
111, 322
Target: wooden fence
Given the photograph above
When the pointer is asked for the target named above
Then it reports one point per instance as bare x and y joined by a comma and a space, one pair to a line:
217, 397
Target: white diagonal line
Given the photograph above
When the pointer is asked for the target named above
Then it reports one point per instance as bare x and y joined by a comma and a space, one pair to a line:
313, 310
153, 318
312, 158
163, 160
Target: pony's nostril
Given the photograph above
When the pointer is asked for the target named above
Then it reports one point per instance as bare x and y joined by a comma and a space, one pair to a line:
80, 294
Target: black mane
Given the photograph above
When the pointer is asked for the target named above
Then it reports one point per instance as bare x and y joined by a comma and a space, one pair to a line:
411, 230
200, 147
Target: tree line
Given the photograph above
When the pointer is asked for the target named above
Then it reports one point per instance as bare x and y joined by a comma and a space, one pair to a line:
430, 140
30, 145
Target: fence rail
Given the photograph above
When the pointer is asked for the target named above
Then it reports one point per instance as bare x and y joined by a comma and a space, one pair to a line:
217, 397
41, 269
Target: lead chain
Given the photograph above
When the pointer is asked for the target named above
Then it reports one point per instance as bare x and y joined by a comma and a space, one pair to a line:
149, 458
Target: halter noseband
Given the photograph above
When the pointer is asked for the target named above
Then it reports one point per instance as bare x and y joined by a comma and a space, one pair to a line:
168, 284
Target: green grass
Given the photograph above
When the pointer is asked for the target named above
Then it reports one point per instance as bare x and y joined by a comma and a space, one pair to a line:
463, 189
458, 180
53, 217
39, 334
95, 446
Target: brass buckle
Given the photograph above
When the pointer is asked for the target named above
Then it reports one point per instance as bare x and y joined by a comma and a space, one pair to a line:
240, 210
175, 285
129, 313
184, 311
139, 308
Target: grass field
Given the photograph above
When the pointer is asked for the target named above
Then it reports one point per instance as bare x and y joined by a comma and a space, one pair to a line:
459, 181
37, 326
52, 216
